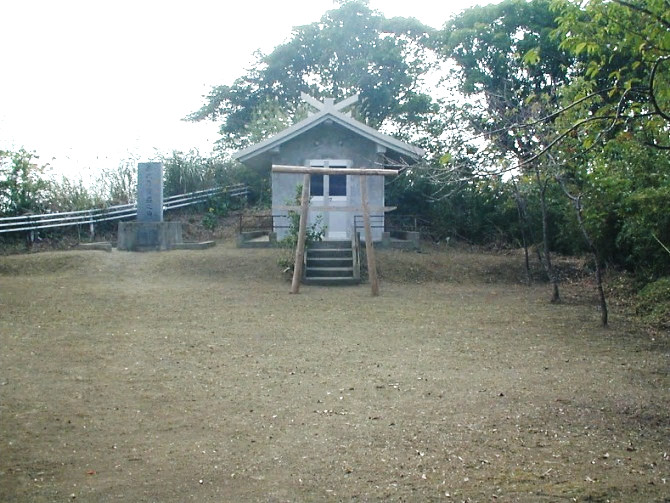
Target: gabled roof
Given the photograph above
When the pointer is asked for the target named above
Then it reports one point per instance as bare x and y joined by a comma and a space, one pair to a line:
329, 112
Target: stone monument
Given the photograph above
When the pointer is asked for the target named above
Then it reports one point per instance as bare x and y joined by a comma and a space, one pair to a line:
150, 192
149, 232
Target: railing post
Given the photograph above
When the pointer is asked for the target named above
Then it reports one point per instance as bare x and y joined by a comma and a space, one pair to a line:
31, 232
91, 226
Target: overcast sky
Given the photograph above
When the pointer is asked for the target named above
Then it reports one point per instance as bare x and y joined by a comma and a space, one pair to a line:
93, 82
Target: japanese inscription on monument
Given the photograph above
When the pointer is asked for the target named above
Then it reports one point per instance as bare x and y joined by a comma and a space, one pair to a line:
150, 192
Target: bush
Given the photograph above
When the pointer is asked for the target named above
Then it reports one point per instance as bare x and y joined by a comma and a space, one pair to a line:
314, 233
210, 220
653, 302
23, 188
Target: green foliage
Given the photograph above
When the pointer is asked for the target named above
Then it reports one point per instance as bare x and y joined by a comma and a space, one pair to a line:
625, 191
653, 302
351, 49
185, 172
313, 233
606, 63
259, 185
68, 195
119, 185
210, 220
23, 188
641, 176
623, 49
506, 57
221, 205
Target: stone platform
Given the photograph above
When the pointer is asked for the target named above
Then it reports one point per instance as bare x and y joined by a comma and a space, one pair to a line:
149, 236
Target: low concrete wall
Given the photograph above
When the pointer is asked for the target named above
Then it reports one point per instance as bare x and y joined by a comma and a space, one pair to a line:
257, 239
203, 245
148, 236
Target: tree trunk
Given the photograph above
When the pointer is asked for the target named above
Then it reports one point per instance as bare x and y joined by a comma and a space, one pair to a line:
601, 292
596, 258
529, 229
555, 295
522, 227
577, 202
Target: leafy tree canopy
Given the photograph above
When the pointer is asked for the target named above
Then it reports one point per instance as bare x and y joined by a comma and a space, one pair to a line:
624, 51
507, 59
352, 49
22, 185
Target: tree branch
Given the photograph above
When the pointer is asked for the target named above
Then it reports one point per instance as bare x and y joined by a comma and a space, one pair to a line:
644, 11
657, 146
660, 243
652, 76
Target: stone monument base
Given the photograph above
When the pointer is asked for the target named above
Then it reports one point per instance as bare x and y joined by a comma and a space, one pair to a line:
148, 236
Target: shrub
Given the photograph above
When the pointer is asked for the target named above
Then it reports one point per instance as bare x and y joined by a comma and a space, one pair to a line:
210, 220
314, 233
653, 302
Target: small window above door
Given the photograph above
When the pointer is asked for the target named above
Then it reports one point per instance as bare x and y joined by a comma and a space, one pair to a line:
333, 186
316, 185
337, 185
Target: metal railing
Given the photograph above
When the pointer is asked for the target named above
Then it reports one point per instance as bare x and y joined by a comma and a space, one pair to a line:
266, 223
407, 223
376, 222
250, 223
110, 213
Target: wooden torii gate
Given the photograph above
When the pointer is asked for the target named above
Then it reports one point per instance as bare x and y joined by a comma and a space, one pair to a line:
304, 214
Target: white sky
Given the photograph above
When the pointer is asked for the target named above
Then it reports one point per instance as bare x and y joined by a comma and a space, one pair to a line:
89, 83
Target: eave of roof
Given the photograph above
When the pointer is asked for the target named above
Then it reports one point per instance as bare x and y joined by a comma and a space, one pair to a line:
337, 117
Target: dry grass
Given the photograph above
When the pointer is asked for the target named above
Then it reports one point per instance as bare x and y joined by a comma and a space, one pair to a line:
194, 376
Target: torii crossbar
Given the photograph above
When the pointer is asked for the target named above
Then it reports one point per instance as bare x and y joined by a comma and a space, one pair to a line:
363, 173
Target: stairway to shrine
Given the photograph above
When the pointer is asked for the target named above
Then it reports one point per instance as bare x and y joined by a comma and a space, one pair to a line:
331, 263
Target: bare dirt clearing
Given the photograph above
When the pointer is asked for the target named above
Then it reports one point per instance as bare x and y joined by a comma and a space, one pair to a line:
194, 376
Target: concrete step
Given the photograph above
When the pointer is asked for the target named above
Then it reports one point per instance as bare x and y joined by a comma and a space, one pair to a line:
194, 246
330, 261
330, 244
329, 272
329, 252
330, 281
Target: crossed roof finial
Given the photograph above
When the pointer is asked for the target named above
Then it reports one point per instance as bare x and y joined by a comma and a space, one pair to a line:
329, 104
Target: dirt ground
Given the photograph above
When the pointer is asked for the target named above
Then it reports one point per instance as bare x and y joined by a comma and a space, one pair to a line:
195, 376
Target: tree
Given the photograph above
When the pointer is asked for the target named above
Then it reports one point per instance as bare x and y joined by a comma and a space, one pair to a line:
119, 185
352, 49
510, 66
508, 63
615, 128
624, 51
23, 187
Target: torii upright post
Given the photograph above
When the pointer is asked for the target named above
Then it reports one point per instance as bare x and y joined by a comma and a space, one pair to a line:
302, 231
369, 247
